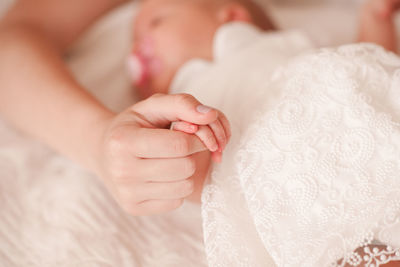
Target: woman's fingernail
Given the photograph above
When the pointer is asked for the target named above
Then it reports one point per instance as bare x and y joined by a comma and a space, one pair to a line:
203, 109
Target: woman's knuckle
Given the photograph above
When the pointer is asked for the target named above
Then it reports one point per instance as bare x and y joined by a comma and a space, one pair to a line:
152, 98
184, 98
115, 142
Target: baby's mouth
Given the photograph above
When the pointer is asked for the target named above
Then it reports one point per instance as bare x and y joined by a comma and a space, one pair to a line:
139, 70
143, 65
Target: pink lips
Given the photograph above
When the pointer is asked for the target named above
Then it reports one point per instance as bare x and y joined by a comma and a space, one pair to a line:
142, 64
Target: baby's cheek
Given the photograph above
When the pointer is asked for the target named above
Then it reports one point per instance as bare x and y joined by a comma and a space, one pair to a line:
160, 83
173, 49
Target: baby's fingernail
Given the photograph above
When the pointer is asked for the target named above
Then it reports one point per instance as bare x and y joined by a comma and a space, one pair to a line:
203, 109
214, 148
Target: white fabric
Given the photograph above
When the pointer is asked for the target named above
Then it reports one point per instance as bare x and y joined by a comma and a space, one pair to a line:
312, 170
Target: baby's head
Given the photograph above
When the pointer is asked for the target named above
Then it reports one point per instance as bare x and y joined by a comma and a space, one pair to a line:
169, 33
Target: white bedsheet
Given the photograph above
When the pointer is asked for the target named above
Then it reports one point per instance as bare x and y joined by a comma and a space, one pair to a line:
55, 214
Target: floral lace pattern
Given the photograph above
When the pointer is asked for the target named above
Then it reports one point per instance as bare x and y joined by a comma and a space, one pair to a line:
313, 178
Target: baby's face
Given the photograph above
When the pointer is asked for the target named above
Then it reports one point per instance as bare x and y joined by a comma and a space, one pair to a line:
168, 33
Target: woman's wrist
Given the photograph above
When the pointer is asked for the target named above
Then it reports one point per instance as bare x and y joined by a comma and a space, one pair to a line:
93, 138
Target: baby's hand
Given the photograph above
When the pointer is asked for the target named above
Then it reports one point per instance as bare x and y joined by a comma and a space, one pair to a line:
215, 136
384, 9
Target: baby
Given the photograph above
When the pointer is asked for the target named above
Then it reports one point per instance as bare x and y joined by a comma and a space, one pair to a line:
170, 33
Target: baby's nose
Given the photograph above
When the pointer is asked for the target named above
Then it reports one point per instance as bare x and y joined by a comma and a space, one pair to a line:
146, 47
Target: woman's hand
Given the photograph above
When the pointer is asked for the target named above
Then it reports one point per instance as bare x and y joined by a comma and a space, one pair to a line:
145, 167
148, 168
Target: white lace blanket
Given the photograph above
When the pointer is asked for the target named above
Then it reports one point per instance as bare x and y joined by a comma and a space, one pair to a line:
316, 175
313, 170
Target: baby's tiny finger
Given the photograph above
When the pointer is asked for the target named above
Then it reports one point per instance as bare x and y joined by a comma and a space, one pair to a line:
184, 126
216, 157
219, 133
206, 135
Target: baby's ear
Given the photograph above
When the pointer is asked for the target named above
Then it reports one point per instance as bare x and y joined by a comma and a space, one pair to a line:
233, 12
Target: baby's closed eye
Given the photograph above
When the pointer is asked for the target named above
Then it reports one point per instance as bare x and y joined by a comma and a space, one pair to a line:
156, 21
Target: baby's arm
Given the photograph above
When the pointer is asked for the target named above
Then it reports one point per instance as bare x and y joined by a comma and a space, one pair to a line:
377, 23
